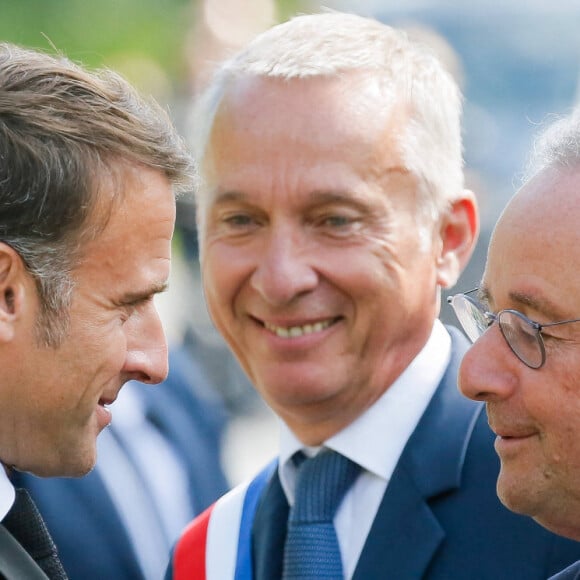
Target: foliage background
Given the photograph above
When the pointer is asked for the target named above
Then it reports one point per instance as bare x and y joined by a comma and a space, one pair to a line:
146, 40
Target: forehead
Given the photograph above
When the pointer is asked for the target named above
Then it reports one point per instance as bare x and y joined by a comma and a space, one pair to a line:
135, 239
272, 133
534, 248
321, 100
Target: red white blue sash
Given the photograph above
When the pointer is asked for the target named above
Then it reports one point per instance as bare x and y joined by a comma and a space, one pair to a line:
217, 544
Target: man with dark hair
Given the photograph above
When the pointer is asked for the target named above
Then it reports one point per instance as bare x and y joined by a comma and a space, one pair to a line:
88, 177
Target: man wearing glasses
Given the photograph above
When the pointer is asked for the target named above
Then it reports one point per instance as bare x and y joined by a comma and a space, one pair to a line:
525, 323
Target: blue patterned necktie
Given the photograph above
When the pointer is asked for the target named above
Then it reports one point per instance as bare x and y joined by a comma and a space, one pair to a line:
311, 550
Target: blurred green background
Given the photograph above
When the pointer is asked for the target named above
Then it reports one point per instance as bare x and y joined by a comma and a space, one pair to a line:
102, 31
149, 41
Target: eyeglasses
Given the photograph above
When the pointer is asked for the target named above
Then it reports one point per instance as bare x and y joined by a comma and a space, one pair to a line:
523, 336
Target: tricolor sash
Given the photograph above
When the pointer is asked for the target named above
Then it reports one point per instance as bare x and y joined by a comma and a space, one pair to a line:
217, 544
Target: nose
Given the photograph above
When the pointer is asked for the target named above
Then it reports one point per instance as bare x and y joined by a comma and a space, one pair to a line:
284, 269
146, 359
489, 370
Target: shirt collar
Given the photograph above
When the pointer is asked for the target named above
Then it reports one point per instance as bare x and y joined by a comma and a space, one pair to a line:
7, 493
376, 439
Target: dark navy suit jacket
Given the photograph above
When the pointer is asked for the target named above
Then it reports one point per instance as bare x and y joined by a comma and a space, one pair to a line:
83, 521
440, 518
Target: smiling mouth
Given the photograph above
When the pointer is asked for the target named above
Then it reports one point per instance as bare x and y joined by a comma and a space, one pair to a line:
302, 330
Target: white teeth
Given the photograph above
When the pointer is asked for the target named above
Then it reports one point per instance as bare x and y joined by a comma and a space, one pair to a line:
296, 331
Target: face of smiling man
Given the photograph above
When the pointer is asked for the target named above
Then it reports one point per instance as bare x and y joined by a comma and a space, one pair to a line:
316, 269
532, 268
54, 397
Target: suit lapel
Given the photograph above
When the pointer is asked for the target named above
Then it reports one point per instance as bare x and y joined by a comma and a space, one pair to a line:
403, 536
51, 494
406, 534
15, 562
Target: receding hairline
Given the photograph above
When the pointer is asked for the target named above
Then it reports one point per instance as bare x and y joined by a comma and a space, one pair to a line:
308, 46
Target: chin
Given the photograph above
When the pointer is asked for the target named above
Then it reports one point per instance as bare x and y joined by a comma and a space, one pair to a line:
76, 465
527, 498
513, 499
510, 504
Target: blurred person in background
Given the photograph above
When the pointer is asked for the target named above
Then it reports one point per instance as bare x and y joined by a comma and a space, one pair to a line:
331, 213
525, 321
88, 177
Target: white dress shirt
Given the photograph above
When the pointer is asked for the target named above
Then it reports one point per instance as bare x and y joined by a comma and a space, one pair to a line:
7, 494
375, 441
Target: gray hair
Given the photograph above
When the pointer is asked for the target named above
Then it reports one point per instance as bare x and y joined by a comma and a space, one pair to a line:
333, 43
63, 130
557, 145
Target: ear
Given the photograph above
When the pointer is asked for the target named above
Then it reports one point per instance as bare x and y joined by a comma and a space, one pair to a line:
13, 284
459, 231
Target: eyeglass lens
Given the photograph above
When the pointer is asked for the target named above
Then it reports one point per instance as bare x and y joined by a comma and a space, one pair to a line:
472, 318
522, 338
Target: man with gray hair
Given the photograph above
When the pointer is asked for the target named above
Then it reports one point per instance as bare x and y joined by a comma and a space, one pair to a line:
88, 177
526, 366
331, 212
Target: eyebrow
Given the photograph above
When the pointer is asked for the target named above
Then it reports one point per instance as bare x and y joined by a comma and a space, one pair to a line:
537, 303
316, 197
533, 301
136, 297
228, 196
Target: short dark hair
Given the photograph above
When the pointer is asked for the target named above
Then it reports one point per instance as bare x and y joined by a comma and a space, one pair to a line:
61, 128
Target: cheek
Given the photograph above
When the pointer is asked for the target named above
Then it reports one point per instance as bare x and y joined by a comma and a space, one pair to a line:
563, 413
222, 278
408, 253
555, 393
555, 405
103, 349
563, 451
